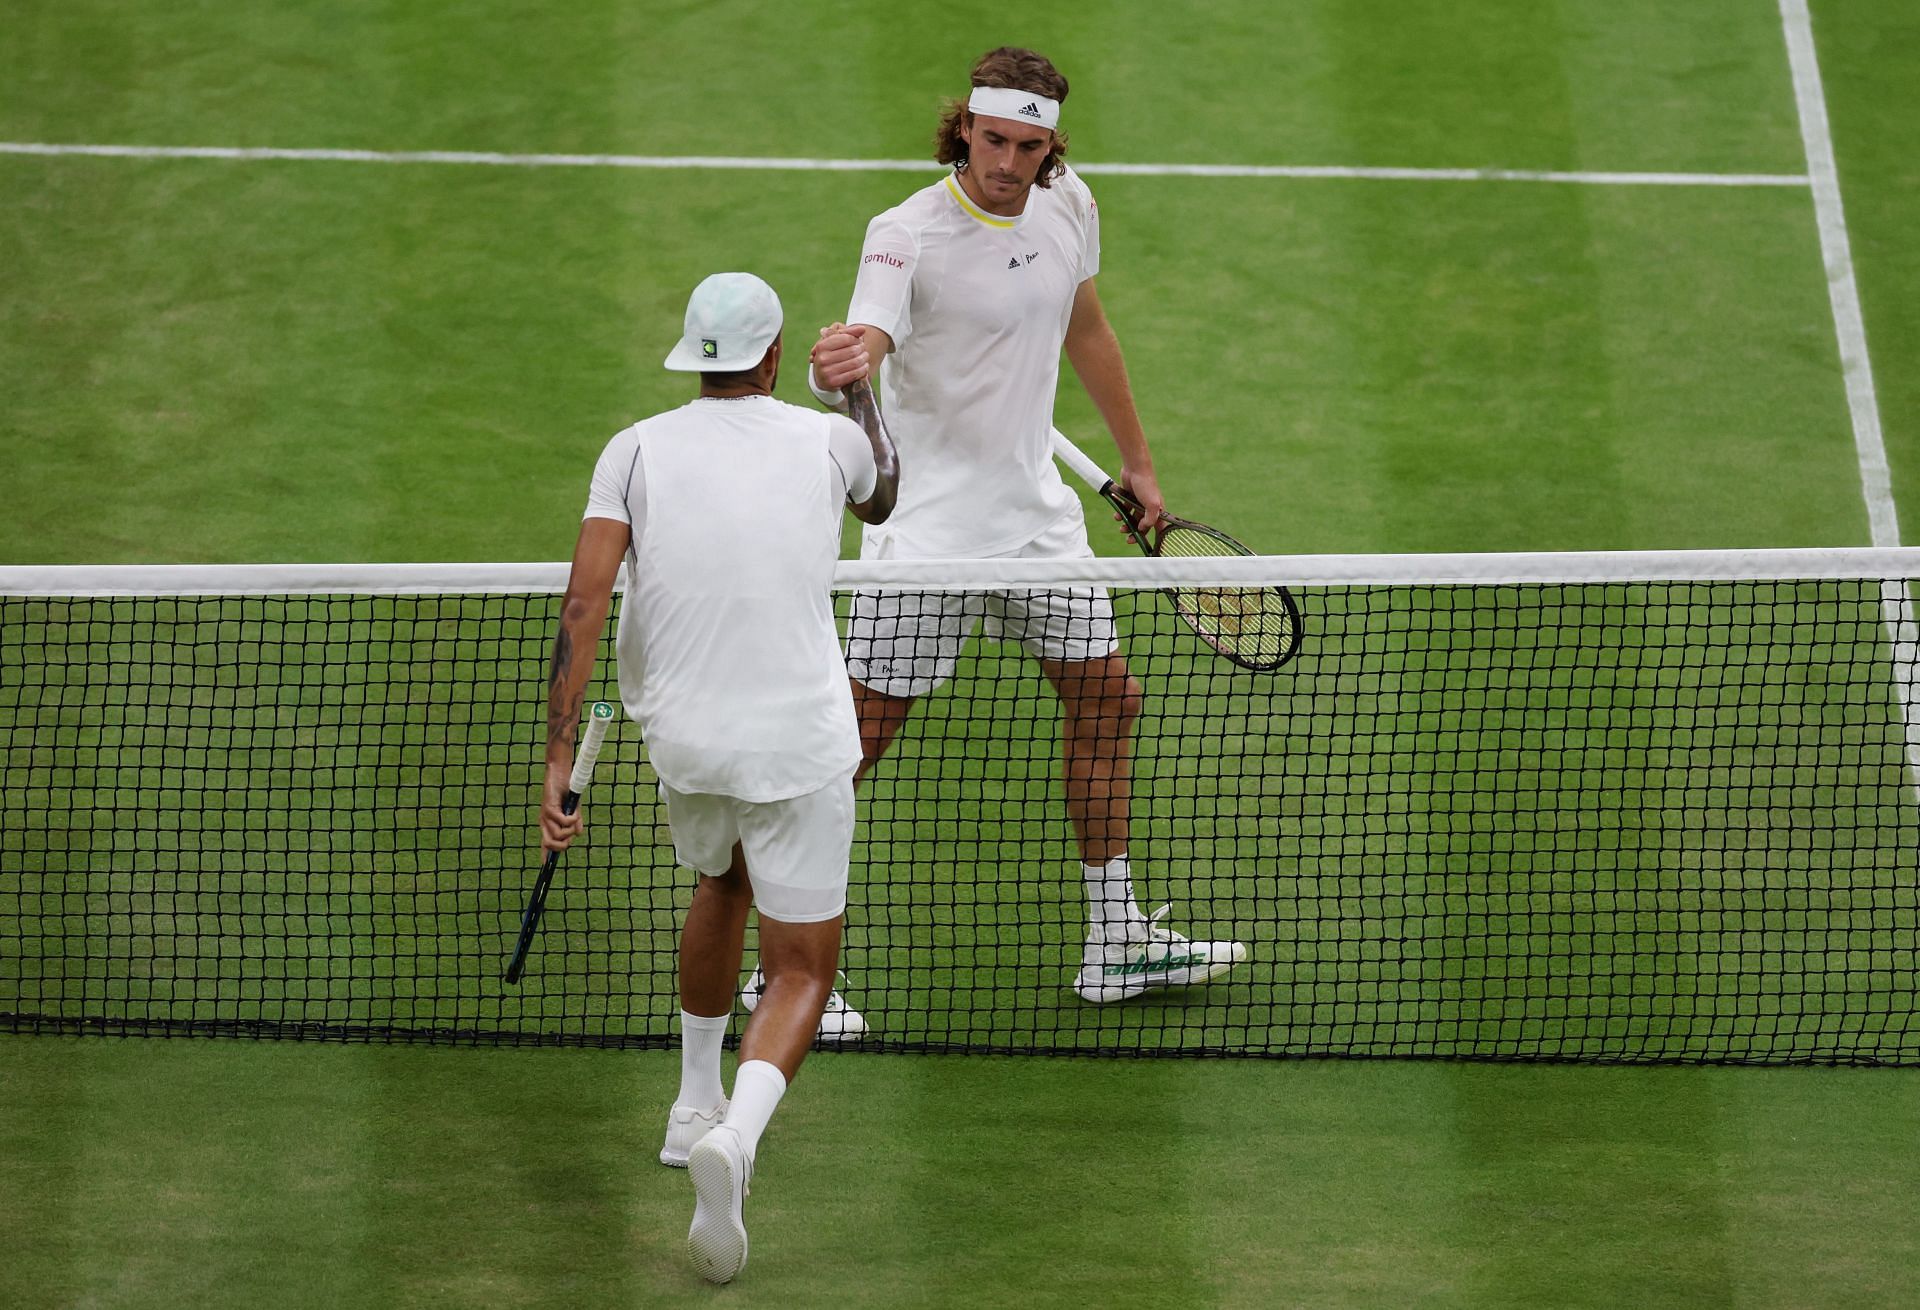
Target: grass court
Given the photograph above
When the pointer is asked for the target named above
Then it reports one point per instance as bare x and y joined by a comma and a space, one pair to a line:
226, 360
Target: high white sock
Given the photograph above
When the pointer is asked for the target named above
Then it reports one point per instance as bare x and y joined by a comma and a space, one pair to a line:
700, 1039
1110, 895
758, 1086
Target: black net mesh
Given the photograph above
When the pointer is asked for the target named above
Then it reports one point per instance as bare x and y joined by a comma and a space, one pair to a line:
1612, 822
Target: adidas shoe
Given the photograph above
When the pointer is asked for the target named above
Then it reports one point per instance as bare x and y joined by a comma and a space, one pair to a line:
1149, 956
717, 1241
685, 1127
839, 1022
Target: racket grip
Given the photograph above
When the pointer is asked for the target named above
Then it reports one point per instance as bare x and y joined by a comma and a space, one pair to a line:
599, 719
1077, 460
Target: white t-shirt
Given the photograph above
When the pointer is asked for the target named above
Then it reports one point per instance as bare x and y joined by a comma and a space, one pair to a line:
977, 306
729, 659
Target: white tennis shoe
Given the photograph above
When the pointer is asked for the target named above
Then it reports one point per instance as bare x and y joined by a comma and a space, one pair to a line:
839, 1022
1146, 956
720, 1169
686, 1125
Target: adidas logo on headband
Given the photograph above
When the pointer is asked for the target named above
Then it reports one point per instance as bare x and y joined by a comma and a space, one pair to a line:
1007, 102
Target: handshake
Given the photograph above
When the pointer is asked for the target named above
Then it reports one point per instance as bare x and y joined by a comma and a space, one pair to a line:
842, 357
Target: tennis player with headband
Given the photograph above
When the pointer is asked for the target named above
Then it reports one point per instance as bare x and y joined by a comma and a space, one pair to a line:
968, 290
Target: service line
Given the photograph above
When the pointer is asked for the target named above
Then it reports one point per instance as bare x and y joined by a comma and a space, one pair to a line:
774, 163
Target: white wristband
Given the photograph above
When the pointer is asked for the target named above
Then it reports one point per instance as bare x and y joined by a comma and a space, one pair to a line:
831, 399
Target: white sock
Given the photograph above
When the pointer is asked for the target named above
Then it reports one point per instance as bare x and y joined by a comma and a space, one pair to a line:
700, 1039
757, 1088
1110, 896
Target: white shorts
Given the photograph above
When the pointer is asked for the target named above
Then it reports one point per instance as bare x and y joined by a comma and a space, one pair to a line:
906, 643
797, 849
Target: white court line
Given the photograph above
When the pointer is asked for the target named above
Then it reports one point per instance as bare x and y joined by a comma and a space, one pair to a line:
779, 164
1876, 483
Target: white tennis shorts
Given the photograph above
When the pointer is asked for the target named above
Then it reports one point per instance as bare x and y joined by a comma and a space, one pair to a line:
906, 643
797, 849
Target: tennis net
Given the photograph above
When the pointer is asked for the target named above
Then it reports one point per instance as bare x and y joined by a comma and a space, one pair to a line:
1606, 807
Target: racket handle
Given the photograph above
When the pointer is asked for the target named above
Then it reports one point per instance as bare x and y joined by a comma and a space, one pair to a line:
1077, 460
599, 719
569, 804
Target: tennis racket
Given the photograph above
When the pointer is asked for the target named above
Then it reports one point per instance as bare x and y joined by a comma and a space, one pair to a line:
600, 718
1257, 628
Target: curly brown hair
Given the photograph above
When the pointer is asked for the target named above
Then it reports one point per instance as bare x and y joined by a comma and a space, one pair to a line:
1019, 70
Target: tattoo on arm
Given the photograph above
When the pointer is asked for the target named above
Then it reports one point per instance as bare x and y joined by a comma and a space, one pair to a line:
560, 716
865, 410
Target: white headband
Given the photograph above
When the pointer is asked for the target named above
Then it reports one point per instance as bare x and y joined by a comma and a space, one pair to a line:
1022, 106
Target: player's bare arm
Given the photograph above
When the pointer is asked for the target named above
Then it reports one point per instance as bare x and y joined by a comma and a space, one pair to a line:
583, 616
864, 409
1094, 351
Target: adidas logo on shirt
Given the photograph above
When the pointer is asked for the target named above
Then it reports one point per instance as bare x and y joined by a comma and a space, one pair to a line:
1030, 110
1013, 263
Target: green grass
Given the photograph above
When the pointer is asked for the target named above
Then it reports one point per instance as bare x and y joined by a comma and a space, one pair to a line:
223, 362
1643, 85
420, 362
325, 1175
423, 363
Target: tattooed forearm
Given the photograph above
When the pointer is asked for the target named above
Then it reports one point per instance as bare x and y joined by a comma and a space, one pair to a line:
865, 410
560, 726
576, 639
562, 708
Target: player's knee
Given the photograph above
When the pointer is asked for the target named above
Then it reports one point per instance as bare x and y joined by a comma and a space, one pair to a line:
880, 717
733, 885
805, 982
1110, 711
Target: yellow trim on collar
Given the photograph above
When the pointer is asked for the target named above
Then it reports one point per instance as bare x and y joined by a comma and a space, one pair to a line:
959, 193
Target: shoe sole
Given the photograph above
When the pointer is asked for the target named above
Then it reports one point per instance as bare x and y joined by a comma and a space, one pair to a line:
1104, 993
750, 1000
717, 1241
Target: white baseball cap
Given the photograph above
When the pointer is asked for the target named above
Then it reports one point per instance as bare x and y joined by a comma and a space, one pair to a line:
731, 320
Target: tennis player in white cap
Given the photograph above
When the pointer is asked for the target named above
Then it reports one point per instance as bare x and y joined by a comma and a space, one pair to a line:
726, 513
968, 290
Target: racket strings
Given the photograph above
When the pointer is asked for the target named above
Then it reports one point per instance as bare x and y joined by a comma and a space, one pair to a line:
1254, 626
1185, 541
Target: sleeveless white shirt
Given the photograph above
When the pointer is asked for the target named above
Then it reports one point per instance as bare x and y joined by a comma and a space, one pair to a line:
728, 656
